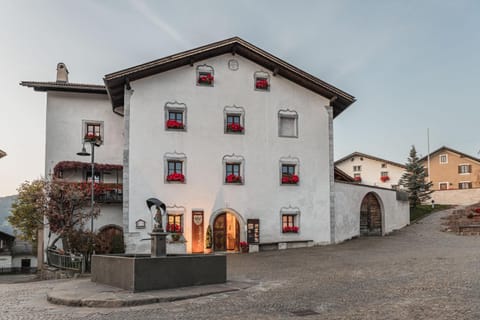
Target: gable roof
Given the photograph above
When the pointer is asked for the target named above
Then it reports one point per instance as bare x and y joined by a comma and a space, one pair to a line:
359, 154
339, 175
115, 82
5, 235
65, 86
445, 148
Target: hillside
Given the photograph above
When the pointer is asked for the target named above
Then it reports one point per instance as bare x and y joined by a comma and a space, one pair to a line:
5, 206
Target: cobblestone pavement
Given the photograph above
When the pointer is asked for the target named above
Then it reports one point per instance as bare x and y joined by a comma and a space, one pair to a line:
416, 273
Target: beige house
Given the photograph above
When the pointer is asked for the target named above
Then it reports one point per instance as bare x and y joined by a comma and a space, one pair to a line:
451, 170
371, 170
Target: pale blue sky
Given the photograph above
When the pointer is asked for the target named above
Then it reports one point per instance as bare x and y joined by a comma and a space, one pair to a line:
410, 64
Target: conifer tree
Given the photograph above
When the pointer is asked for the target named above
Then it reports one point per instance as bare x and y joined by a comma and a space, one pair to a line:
414, 180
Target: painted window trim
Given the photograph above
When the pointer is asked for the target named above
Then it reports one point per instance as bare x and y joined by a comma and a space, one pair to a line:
447, 183
94, 122
289, 161
175, 106
465, 164
295, 211
235, 111
233, 158
204, 68
468, 182
174, 156
176, 211
359, 167
440, 158
263, 75
287, 113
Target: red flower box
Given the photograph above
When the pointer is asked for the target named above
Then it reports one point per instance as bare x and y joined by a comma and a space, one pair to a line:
92, 137
357, 179
290, 179
174, 124
176, 177
205, 79
261, 84
173, 227
477, 210
292, 229
231, 178
385, 178
234, 127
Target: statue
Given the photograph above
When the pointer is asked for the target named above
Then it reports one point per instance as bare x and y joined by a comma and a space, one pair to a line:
160, 209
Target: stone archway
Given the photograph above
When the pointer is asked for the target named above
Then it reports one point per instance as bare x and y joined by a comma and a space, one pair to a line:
110, 240
226, 228
371, 216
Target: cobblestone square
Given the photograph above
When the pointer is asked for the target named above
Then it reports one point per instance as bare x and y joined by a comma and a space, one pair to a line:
419, 272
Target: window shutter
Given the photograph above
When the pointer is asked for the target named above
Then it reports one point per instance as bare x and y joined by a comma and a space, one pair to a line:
470, 185
460, 186
459, 169
469, 168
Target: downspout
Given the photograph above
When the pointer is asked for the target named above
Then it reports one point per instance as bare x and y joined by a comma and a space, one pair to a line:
126, 157
331, 166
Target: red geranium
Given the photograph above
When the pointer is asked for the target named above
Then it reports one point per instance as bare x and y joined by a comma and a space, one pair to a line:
292, 229
234, 127
176, 177
174, 124
357, 179
290, 179
207, 79
231, 178
173, 227
385, 178
477, 210
92, 137
261, 84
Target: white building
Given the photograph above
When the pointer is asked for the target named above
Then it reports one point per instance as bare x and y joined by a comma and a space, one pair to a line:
371, 170
228, 136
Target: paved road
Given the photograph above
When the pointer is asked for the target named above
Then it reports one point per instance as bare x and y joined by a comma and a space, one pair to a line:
416, 273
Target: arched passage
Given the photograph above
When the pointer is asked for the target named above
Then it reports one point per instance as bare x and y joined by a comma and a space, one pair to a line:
226, 226
370, 216
110, 240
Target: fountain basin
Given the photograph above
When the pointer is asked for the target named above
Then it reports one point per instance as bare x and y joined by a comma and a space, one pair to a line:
137, 273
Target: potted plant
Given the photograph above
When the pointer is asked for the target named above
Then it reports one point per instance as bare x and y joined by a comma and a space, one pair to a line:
290, 179
244, 247
290, 229
176, 177
175, 231
357, 179
205, 78
261, 83
231, 178
92, 137
234, 127
174, 124
384, 178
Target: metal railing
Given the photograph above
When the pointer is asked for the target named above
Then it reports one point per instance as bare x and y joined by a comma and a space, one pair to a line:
66, 261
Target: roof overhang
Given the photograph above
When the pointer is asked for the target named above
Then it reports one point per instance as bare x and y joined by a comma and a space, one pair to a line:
364, 155
115, 82
65, 87
445, 148
2, 153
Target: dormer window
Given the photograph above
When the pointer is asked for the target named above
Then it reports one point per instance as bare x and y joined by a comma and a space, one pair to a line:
205, 75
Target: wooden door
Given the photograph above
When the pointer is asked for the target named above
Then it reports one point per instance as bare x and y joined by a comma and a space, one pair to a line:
370, 216
220, 233
197, 232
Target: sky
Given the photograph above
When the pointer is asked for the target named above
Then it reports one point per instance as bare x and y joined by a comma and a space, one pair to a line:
411, 65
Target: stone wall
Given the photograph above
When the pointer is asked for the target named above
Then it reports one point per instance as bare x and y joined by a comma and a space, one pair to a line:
457, 197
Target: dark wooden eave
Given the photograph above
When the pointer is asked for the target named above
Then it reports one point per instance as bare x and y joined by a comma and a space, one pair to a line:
65, 86
115, 82
340, 175
2, 153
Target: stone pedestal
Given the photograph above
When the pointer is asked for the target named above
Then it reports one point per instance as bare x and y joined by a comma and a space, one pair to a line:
159, 244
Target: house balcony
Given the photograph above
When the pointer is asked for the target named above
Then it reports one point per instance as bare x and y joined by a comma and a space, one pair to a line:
104, 192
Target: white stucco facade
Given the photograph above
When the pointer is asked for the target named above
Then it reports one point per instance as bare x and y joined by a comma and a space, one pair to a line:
348, 200
370, 170
204, 144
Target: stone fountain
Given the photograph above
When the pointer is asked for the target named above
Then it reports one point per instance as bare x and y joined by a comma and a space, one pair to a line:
137, 272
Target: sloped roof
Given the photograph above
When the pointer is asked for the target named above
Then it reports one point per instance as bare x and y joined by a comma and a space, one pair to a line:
65, 86
115, 82
339, 175
359, 154
445, 148
4, 234
2, 153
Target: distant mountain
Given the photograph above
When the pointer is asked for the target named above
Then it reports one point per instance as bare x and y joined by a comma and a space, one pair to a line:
5, 207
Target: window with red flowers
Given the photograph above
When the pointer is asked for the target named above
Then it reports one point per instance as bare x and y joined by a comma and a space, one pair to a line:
233, 173
175, 171
234, 120
175, 116
262, 81
289, 174
174, 223
205, 75
93, 131
289, 223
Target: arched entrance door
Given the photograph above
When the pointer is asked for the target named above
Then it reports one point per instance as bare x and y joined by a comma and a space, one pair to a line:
110, 240
370, 216
226, 233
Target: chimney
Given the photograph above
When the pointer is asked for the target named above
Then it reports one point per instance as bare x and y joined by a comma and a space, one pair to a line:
62, 72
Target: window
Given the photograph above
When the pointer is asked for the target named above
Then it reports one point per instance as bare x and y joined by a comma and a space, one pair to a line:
464, 168
443, 185
233, 172
97, 176
262, 81
175, 167
384, 174
357, 177
290, 220
289, 171
205, 75
287, 124
465, 185
443, 158
357, 168
175, 116
234, 119
384, 165
92, 131
174, 223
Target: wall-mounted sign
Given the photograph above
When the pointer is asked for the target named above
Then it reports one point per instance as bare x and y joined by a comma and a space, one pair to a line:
197, 232
140, 224
253, 231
